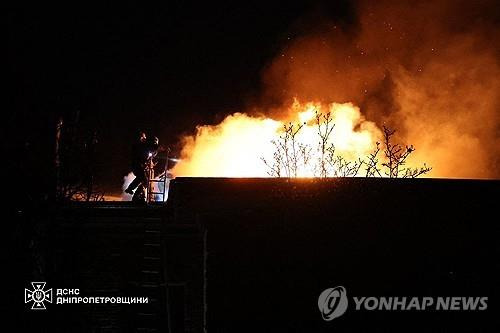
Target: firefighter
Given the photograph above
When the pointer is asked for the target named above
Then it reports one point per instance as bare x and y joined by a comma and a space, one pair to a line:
140, 155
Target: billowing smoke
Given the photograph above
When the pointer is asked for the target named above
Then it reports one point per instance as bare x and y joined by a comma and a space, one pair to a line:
126, 182
429, 69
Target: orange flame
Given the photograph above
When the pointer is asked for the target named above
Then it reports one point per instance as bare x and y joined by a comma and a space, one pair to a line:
436, 81
236, 146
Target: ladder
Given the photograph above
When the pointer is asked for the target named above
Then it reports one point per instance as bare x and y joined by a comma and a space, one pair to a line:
157, 185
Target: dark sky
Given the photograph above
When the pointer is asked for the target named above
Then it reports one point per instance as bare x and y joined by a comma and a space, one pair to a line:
120, 68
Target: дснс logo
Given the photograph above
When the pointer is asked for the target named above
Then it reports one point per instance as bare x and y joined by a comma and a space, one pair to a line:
38, 296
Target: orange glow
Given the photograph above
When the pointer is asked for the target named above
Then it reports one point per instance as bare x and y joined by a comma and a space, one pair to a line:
234, 147
437, 85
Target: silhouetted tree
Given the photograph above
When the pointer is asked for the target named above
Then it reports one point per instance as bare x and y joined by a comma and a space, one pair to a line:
396, 156
372, 169
291, 155
74, 162
325, 125
288, 153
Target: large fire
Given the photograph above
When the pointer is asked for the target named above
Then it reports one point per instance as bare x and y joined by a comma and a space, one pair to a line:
236, 146
431, 71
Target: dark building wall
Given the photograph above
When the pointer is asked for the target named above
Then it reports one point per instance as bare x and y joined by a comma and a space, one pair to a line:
272, 246
234, 255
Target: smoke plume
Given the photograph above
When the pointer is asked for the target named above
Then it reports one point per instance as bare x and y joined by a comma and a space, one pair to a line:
430, 69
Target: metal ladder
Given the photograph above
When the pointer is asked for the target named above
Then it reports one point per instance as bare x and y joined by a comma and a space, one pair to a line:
161, 179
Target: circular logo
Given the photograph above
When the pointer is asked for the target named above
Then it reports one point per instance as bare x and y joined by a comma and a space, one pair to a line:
332, 303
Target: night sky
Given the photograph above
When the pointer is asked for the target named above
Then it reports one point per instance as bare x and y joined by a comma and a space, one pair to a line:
122, 68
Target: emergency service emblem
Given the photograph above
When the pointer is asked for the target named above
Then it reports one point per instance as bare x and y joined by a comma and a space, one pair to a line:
38, 296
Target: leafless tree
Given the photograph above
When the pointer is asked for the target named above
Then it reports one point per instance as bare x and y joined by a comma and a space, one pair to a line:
325, 127
345, 168
290, 155
75, 152
305, 153
291, 132
274, 167
396, 156
372, 169
415, 172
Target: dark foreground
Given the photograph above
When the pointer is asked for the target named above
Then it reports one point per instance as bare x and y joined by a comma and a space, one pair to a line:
233, 255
